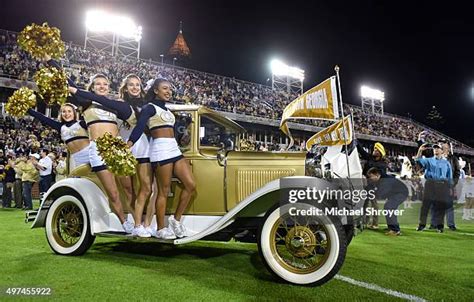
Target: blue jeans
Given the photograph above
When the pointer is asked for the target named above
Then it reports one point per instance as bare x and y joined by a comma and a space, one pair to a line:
45, 183
450, 217
7, 195
27, 185
392, 203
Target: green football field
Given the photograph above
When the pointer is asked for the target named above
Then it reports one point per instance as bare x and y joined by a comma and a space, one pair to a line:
417, 266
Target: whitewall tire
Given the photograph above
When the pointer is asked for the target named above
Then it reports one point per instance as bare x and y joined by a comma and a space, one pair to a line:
68, 227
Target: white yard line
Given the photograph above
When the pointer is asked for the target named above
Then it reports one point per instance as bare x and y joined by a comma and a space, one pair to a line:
380, 289
469, 234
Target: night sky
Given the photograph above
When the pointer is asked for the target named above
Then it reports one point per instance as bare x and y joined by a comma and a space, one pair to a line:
419, 53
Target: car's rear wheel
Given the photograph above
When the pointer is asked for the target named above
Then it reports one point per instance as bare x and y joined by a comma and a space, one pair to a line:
304, 251
67, 226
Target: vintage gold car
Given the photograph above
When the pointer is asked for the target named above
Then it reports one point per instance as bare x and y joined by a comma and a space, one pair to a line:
239, 197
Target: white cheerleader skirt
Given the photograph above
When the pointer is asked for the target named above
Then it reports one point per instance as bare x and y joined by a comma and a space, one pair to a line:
81, 157
141, 150
96, 161
164, 150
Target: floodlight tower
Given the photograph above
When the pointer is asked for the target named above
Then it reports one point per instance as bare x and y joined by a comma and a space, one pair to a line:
372, 100
286, 78
112, 33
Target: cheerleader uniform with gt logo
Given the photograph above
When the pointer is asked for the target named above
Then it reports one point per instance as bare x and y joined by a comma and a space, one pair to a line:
155, 115
96, 113
128, 115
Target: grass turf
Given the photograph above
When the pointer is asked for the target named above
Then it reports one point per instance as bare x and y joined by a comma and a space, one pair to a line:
436, 267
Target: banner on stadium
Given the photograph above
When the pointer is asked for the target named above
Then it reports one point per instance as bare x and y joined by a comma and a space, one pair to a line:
318, 102
332, 135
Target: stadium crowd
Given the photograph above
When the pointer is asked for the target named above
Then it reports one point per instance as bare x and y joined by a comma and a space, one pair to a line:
25, 143
217, 92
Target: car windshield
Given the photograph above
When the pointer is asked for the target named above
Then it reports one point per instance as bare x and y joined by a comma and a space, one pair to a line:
213, 134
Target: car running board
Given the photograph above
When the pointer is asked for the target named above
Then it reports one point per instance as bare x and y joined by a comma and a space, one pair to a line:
124, 235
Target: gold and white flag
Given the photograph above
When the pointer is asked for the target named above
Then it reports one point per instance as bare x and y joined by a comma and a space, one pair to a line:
332, 135
318, 102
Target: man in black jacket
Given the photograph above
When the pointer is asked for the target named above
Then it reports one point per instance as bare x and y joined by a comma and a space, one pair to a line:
394, 191
374, 160
456, 169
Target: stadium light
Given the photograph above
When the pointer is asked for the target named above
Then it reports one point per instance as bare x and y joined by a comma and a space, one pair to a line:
281, 69
370, 93
101, 21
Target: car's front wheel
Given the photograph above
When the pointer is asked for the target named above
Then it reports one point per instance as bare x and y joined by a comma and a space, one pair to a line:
67, 226
304, 251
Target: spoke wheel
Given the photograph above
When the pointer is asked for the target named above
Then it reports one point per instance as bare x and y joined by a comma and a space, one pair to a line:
67, 226
301, 250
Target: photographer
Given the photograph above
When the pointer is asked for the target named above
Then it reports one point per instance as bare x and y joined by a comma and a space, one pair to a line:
438, 175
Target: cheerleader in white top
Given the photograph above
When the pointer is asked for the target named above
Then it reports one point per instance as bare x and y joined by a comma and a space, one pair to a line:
73, 132
165, 157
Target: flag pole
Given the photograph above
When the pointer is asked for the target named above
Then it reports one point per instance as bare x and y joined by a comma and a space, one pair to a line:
344, 132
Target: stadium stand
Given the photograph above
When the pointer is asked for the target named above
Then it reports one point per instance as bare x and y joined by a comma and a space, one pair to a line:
254, 104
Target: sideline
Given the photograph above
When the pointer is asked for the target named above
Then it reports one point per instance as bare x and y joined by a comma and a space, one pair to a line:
377, 288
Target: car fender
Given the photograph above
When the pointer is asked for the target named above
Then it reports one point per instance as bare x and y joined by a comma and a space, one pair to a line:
256, 205
100, 215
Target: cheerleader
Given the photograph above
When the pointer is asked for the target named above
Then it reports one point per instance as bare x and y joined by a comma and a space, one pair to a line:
132, 92
165, 157
99, 121
73, 132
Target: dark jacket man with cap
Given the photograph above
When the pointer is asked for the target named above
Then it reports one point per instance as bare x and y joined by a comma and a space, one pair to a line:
374, 160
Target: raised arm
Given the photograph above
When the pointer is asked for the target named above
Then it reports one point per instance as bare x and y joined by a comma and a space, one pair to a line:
45, 120
422, 161
363, 154
123, 109
147, 112
54, 63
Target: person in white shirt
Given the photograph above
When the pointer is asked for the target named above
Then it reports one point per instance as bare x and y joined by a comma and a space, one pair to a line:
45, 168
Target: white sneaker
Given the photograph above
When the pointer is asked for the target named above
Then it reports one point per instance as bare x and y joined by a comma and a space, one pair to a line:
177, 227
128, 226
151, 231
140, 231
165, 233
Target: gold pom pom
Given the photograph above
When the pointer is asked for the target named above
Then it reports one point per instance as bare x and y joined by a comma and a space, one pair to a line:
44, 133
116, 155
35, 144
42, 40
21, 100
52, 85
